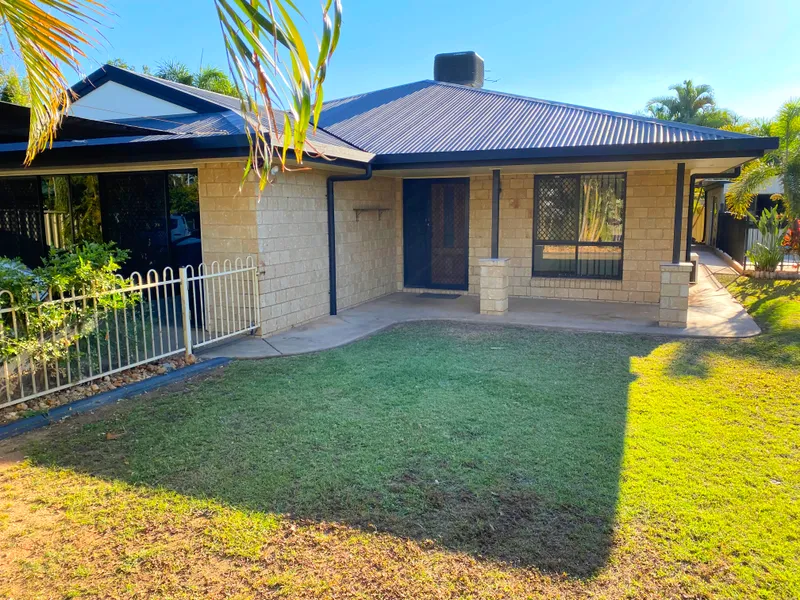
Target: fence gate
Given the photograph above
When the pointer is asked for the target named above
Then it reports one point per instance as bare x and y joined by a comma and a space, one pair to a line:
76, 336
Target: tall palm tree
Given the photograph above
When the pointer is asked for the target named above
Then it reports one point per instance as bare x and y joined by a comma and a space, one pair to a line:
267, 57
688, 104
783, 163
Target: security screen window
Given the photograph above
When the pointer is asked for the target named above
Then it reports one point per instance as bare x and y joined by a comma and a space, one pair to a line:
578, 226
86, 214
71, 206
184, 218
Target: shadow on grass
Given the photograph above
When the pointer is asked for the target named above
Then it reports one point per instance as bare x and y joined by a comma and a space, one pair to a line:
499, 442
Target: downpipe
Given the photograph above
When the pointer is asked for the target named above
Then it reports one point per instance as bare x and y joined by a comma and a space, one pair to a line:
332, 228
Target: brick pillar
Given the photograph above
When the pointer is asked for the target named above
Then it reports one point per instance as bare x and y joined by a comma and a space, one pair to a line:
494, 286
674, 306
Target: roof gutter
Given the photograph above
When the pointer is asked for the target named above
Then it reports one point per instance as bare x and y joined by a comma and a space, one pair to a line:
730, 148
332, 228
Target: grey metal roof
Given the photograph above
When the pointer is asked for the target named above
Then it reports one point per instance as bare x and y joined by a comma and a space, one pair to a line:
430, 116
425, 122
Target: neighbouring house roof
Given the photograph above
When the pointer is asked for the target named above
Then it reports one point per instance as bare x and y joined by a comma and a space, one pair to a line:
421, 123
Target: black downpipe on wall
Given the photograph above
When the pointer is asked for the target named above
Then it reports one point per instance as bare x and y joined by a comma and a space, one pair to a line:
332, 228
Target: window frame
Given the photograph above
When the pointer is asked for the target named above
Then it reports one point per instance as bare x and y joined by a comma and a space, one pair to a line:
576, 242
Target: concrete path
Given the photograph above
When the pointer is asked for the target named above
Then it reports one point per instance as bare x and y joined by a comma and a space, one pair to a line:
713, 263
712, 313
711, 307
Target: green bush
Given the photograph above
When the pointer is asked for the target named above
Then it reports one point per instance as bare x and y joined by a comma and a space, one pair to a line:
43, 329
767, 254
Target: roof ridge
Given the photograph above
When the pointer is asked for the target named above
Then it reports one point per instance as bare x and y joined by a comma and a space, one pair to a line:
391, 87
641, 118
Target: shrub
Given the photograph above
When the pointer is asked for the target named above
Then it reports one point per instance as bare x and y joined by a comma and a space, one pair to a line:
791, 241
767, 254
41, 328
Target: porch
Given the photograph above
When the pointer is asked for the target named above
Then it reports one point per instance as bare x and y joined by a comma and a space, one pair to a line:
712, 313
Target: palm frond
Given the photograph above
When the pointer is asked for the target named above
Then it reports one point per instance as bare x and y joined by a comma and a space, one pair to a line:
787, 125
744, 188
215, 80
173, 70
272, 69
47, 36
791, 185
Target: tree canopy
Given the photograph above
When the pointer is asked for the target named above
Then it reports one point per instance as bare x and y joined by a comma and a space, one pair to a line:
783, 163
693, 104
206, 78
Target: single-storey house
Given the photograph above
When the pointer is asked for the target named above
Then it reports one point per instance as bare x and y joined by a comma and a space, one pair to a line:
438, 185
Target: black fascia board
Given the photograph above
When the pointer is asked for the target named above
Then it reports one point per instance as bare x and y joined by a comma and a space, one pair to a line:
732, 148
145, 85
229, 146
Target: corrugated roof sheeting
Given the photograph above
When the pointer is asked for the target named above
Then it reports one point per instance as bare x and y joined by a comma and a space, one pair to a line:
431, 116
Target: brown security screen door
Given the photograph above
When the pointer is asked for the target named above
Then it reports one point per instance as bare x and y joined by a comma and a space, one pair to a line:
436, 233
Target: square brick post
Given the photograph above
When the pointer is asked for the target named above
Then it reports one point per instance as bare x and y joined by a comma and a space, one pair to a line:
494, 286
674, 306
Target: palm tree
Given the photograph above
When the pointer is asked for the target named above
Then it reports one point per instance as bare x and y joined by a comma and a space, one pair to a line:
175, 71
267, 57
215, 80
783, 163
207, 78
689, 105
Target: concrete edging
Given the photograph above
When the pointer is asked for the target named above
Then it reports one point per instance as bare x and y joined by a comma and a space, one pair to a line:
91, 403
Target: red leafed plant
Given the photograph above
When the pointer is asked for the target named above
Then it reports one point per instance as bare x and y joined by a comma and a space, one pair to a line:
791, 241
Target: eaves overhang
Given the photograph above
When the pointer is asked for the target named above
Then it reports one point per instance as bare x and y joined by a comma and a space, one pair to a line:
143, 151
729, 148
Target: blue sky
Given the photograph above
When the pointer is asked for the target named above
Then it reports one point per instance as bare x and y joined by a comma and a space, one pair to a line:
613, 55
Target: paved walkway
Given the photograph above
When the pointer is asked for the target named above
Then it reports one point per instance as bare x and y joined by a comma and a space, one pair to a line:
713, 263
712, 313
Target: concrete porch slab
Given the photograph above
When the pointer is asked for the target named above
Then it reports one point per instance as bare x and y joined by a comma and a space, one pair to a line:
712, 313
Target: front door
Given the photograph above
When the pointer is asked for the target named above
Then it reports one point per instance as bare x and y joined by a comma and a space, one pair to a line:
436, 233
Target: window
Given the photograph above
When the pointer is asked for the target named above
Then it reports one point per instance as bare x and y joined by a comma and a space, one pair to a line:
578, 226
71, 206
153, 214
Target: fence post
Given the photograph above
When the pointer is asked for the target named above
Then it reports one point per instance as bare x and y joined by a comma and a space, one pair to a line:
186, 314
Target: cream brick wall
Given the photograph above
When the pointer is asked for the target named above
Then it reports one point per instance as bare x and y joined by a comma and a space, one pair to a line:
649, 216
286, 229
227, 216
365, 243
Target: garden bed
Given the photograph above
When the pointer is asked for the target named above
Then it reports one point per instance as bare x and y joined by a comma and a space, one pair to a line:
42, 404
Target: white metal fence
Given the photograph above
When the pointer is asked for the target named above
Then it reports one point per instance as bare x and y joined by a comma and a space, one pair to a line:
77, 336
789, 262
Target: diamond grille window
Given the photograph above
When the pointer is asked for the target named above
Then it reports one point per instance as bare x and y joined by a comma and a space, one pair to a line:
578, 225
557, 209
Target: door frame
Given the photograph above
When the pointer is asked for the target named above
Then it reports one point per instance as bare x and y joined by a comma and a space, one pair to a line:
429, 284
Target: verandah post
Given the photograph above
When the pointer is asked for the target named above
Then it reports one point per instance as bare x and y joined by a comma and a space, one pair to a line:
186, 314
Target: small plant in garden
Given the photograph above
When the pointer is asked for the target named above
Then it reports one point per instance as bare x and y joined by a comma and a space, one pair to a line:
767, 254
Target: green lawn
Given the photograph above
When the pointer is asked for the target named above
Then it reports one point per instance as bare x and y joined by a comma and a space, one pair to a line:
434, 461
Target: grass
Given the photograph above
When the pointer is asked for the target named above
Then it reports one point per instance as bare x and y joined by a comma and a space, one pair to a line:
434, 461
